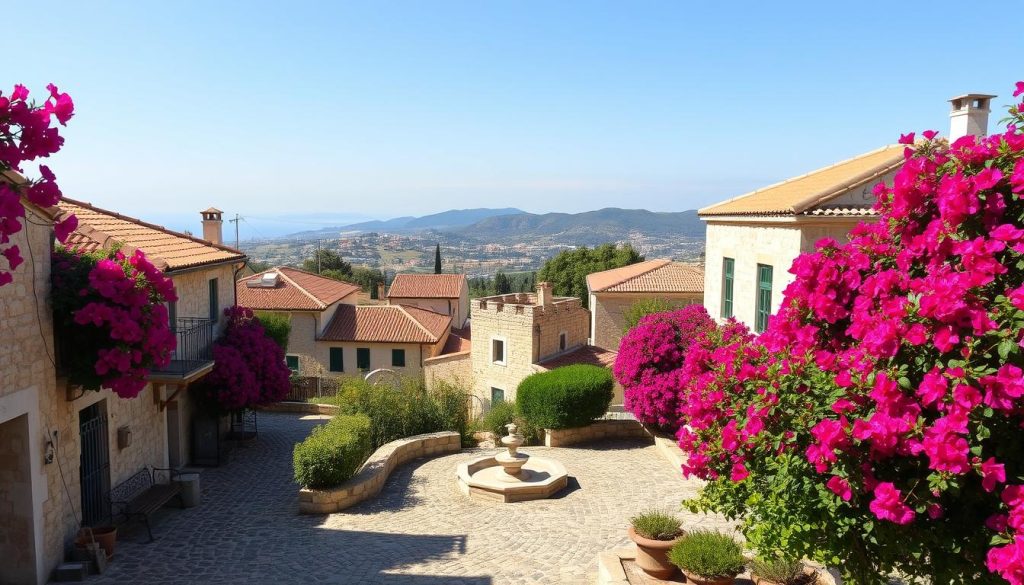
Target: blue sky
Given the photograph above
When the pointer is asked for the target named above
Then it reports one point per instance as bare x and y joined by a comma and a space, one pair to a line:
298, 113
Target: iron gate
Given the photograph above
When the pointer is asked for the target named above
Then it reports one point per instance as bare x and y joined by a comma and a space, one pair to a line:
95, 465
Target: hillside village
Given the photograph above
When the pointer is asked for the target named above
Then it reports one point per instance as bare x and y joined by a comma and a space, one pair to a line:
67, 449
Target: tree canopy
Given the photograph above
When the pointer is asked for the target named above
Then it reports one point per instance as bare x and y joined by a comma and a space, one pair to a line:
329, 260
567, 272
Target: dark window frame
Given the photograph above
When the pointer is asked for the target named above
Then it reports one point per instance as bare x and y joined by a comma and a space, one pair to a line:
395, 353
363, 364
765, 277
728, 287
340, 354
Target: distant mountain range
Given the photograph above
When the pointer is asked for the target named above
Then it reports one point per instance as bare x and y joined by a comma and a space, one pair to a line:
503, 225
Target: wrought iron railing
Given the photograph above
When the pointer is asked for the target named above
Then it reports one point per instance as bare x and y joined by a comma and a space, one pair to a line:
194, 349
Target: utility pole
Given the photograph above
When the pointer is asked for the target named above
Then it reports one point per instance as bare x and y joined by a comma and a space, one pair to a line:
318, 255
235, 221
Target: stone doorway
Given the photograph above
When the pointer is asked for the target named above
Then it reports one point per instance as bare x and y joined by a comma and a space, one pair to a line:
17, 541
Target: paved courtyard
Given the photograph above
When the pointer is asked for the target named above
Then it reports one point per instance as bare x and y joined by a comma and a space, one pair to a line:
419, 531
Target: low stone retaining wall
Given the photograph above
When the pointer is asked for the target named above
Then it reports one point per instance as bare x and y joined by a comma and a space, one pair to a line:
370, 478
300, 407
602, 429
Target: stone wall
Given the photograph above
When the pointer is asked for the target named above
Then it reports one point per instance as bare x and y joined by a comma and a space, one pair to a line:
380, 357
370, 478
609, 313
193, 288
454, 368
17, 545
597, 431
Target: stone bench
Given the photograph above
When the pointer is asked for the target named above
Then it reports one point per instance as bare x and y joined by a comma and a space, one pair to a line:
598, 430
369, 480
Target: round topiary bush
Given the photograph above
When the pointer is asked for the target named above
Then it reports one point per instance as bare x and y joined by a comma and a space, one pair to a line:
568, 397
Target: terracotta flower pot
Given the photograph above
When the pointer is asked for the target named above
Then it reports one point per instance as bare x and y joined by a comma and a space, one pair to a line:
106, 536
698, 580
652, 555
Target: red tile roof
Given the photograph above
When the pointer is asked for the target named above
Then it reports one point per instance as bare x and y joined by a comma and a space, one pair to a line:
652, 276
428, 286
386, 324
296, 290
167, 249
587, 354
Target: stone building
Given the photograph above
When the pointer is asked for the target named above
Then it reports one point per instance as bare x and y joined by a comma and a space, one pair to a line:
512, 333
613, 292
310, 302
447, 294
62, 448
753, 239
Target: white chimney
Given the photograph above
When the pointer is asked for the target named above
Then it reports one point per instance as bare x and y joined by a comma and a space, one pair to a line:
969, 115
213, 225
543, 293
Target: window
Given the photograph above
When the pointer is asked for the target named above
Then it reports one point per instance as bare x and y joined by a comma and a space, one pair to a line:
363, 358
337, 359
728, 276
398, 358
764, 297
498, 351
214, 306
172, 315
563, 341
293, 362
497, 395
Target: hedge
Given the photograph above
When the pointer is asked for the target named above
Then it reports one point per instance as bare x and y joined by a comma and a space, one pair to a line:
333, 452
568, 397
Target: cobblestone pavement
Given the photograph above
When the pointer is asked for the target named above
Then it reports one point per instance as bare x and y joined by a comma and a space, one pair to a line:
419, 531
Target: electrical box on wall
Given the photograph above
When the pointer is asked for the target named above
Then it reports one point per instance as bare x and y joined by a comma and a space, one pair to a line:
124, 437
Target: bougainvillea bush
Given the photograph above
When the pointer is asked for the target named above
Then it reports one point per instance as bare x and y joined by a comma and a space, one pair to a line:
249, 366
879, 426
26, 135
649, 361
111, 318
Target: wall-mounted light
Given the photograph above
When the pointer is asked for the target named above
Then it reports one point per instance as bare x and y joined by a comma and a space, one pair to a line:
48, 452
124, 437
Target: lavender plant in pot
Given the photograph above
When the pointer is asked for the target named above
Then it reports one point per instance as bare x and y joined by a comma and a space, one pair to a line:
655, 532
708, 557
781, 571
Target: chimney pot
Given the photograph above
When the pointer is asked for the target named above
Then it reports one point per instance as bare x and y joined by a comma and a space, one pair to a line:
968, 114
213, 225
544, 294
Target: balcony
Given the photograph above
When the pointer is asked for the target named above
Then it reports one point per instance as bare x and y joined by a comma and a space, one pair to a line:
194, 354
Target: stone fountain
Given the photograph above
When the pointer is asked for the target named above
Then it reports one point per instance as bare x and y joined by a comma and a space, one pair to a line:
511, 476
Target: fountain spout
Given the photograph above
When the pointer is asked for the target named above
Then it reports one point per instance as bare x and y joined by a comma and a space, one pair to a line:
513, 461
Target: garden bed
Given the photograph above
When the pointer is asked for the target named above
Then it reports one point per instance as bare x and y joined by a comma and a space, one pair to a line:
598, 430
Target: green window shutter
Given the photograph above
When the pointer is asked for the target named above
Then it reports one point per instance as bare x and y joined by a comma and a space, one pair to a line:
337, 359
363, 358
497, 395
293, 362
398, 358
728, 276
764, 297
214, 308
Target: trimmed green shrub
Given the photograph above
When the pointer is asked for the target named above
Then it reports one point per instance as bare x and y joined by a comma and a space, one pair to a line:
277, 325
708, 554
500, 414
567, 397
401, 412
644, 307
656, 525
333, 452
782, 571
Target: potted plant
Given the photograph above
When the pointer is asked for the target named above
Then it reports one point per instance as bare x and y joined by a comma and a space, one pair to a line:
655, 532
781, 571
708, 557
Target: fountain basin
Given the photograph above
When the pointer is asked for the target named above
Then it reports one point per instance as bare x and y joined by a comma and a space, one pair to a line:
485, 478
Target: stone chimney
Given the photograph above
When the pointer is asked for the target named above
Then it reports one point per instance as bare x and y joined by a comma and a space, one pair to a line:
213, 225
544, 297
969, 115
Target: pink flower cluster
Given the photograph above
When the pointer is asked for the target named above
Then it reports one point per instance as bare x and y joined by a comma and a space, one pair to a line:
913, 332
26, 134
117, 316
649, 361
249, 366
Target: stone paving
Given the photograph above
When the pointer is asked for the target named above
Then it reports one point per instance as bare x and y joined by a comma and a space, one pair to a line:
419, 531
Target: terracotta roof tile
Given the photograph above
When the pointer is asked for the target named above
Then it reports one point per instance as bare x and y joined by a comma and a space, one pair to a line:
800, 194
459, 340
296, 290
587, 354
167, 249
427, 286
386, 324
668, 277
